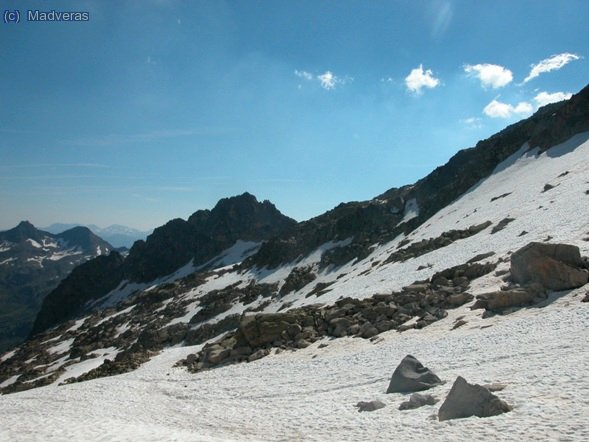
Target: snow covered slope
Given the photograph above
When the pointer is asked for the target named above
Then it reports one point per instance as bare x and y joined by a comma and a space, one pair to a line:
536, 194
310, 394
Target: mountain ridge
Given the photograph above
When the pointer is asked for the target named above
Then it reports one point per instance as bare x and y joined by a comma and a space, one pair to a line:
32, 262
204, 235
372, 259
378, 220
115, 234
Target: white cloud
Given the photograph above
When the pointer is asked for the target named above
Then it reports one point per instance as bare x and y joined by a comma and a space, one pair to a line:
303, 74
328, 80
544, 98
491, 75
497, 109
550, 64
418, 79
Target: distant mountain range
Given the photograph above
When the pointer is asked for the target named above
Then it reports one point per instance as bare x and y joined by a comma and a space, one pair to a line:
32, 263
117, 235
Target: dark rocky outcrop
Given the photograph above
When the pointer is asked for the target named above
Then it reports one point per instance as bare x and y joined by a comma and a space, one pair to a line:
465, 400
429, 245
297, 279
410, 376
205, 234
87, 282
501, 225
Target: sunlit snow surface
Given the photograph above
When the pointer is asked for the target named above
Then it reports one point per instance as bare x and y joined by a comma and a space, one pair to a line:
541, 354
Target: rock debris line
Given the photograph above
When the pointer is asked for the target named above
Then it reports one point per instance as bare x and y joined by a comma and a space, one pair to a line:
258, 334
535, 269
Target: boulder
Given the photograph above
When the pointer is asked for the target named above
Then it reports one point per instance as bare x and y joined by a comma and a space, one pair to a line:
503, 299
370, 406
418, 400
554, 266
465, 400
411, 376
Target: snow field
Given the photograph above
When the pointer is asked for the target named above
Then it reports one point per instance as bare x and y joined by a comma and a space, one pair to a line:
540, 353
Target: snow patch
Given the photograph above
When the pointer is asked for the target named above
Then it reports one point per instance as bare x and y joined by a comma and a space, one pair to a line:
83, 367
34, 243
11, 380
7, 356
411, 211
62, 347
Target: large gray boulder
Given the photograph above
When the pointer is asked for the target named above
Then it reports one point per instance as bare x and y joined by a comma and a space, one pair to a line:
465, 400
554, 266
411, 376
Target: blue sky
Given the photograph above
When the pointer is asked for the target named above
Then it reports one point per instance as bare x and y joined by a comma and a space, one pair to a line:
153, 109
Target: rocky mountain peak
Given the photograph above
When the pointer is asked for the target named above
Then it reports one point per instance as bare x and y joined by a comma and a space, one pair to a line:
202, 237
242, 217
84, 238
23, 231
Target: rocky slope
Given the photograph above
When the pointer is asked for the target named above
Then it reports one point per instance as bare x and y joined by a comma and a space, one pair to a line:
404, 260
32, 263
195, 241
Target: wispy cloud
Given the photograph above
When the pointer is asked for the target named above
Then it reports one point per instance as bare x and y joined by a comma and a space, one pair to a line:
118, 139
54, 165
490, 75
419, 79
497, 109
327, 80
304, 75
148, 199
544, 98
550, 64
277, 180
472, 122
441, 13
